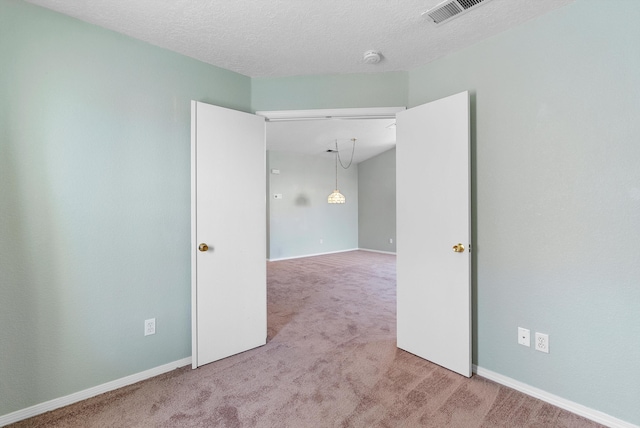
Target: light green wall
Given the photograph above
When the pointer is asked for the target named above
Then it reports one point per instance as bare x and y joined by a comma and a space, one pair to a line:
330, 91
299, 220
377, 202
94, 202
556, 198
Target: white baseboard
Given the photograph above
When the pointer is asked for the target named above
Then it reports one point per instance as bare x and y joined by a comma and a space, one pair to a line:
377, 251
91, 392
579, 409
313, 255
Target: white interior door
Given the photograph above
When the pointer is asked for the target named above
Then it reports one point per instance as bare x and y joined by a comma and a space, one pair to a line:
433, 215
229, 292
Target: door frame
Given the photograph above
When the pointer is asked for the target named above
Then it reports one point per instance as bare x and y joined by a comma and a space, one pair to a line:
193, 240
331, 114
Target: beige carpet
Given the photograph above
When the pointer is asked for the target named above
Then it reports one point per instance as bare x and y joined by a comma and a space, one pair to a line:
330, 361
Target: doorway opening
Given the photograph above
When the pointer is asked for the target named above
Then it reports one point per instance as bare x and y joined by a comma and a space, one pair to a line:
301, 174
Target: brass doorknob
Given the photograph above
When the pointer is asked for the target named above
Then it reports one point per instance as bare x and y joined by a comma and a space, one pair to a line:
458, 248
203, 247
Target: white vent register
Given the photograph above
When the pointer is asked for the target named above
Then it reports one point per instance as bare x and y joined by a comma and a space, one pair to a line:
449, 9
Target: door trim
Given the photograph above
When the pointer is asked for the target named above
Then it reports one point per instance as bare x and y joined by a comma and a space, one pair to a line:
331, 114
194, 258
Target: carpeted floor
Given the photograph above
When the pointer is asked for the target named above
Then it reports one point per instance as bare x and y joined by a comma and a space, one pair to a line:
330, 361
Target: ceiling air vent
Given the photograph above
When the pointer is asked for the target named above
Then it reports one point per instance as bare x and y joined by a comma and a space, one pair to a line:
451, 8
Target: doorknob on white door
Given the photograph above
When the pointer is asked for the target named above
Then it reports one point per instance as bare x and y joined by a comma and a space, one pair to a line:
203, 247
458, 248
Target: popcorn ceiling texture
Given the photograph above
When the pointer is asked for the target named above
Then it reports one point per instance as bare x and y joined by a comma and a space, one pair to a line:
286, 38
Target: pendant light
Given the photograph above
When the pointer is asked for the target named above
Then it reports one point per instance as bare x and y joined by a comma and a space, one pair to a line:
336, 197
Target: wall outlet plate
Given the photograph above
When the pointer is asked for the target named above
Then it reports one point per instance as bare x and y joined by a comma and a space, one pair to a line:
524, 336
149, 326
542, 342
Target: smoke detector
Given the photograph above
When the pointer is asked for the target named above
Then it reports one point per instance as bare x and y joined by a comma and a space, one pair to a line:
371, 57
449, 9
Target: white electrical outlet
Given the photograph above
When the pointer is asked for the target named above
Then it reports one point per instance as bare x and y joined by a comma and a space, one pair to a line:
390, 240
149, 326
524, 336
321, 241
542, 342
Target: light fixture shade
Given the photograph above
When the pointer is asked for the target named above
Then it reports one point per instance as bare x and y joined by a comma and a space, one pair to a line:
336, 198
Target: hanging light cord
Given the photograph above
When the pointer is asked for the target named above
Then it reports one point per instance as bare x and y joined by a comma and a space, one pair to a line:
336, 188
353, 149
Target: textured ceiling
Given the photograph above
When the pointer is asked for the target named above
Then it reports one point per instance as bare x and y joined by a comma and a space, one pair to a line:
261, 38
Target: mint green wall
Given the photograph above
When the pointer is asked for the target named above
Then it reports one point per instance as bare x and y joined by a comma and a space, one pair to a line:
555, 108
377, 202
330, 91
299, 220
94, 202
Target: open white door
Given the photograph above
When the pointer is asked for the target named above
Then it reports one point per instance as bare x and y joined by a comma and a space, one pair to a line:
433, 216
229, 287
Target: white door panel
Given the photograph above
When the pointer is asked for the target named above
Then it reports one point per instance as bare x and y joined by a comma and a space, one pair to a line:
228, 214
433, 215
